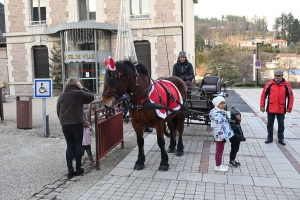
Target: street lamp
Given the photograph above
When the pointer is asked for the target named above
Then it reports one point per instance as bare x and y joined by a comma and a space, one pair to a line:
255, 51
219, 68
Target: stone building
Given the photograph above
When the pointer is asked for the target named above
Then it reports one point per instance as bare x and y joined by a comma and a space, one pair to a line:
86, 32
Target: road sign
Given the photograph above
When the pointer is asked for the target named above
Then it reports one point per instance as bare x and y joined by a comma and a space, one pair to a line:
258, 64
42, 88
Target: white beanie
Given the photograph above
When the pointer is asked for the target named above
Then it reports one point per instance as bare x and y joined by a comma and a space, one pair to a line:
217, 100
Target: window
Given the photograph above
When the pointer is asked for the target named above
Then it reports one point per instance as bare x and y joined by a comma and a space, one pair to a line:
139, 8
87, 10
38, 12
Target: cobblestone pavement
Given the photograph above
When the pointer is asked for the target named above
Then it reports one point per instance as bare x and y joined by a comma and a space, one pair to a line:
37, 170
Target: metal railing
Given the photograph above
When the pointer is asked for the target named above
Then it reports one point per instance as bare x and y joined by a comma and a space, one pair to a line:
109, 132
140, 16
33, 23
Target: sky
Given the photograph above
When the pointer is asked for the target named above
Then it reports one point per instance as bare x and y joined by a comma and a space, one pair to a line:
250, 8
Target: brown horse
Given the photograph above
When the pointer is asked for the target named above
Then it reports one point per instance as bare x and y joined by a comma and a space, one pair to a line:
132, 78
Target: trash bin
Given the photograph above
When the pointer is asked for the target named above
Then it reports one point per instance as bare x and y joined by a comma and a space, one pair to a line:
24, 112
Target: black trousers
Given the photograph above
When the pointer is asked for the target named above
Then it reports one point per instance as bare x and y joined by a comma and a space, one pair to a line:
234, 149
270, 125
88, 150
73, 134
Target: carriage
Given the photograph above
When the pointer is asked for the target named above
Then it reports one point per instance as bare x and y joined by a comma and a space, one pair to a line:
172, 103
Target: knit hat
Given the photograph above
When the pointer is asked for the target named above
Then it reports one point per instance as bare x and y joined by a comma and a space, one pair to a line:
217, 100
278, 73
233, 112
182, 54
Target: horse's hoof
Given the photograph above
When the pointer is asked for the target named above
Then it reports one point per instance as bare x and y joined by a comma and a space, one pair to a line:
179, 153
138, 167
171, 150
163, 168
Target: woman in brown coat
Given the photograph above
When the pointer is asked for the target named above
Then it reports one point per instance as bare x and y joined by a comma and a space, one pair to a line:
70, 113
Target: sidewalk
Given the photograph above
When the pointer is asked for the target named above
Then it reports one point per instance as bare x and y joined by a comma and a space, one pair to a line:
268, 171
34, 167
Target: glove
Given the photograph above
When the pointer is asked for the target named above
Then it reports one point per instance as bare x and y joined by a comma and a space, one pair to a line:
184, 79
262, 109
224, 141
288, 111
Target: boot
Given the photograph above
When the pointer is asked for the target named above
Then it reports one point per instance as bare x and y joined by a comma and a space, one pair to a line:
71, 172
79, 171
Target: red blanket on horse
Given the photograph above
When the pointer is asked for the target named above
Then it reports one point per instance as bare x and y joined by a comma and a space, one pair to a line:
159, 95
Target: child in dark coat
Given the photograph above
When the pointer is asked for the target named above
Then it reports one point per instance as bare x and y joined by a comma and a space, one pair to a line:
238, 137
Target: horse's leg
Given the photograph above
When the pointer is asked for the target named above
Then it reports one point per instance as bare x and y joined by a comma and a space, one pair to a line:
180, 127
164, 164
140, 163
172, 128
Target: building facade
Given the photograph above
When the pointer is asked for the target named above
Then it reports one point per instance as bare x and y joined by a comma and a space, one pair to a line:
77, 35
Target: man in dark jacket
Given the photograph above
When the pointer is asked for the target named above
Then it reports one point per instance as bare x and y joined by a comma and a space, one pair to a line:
183, 69
71, 116
280, 99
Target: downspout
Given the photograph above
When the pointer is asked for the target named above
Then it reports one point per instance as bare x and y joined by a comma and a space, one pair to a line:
182, 41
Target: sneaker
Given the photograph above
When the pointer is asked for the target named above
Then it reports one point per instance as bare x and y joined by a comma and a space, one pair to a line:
93, 164
233, 164
79, 172
221, 168
238, 163
224, 166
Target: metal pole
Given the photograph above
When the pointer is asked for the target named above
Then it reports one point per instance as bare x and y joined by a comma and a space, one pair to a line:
254, 60
44, 116
96, 62
257, 59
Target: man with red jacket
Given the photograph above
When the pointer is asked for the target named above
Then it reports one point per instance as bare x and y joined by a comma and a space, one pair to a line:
280, 99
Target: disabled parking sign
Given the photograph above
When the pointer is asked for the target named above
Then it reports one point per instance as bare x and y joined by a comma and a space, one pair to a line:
42, 88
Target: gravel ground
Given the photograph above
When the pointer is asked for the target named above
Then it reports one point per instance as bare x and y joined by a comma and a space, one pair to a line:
31, 162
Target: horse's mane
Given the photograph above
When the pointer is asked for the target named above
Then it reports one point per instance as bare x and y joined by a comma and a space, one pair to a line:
123, 67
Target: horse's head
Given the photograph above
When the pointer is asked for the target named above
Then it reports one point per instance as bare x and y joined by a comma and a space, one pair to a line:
115, 83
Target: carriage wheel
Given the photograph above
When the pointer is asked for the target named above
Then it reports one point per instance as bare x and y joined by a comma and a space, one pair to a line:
166, 129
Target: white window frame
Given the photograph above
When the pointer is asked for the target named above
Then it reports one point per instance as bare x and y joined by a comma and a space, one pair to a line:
141, 15
39, 22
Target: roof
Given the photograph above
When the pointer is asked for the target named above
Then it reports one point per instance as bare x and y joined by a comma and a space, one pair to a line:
287, 55
293, 72
279, 41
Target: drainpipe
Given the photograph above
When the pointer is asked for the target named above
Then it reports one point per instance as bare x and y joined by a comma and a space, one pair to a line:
182, 41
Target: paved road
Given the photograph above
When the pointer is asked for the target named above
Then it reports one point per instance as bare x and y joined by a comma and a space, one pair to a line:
235, 99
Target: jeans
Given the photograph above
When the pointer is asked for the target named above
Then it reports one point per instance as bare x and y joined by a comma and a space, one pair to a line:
234, 149
219, 152
270, 125
73, 134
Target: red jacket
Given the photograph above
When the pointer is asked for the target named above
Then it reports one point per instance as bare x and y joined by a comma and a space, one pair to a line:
277, 95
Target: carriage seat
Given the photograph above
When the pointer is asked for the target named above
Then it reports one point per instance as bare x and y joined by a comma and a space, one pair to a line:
211, 84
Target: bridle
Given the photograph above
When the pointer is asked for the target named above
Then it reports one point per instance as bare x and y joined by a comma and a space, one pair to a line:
115, 99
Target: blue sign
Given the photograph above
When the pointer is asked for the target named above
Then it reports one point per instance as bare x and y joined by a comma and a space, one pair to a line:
257, 63
42, 88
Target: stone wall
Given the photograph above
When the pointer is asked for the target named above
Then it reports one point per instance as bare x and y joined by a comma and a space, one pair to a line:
59, 13
165, 11
15, 16
112, 11
164, 56
19, 62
